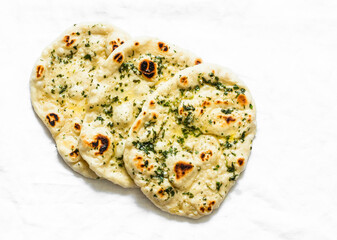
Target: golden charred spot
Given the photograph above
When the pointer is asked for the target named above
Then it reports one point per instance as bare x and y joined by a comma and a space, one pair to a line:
205, 156
136, 43
206, 103
249, 118
144, 113
181, 111
101, 142
39, 71
77, 126
241, 161
229, 119
184, 80
197, 61
202, 111
68, 41
154, 115
242, 99
136, 126
118, 57
140, 164
150, 168
152, 103
207, 208
210, 204
182, 168
161, 193
221, 102
75, 153
144, 164
114, 45
52, 119
66, 38
163, 47
148, 68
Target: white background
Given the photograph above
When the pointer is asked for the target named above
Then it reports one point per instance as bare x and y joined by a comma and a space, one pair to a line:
285, 51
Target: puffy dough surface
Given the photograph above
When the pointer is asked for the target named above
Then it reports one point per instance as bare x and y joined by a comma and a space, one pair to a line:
118, 92
192, 140
60, 83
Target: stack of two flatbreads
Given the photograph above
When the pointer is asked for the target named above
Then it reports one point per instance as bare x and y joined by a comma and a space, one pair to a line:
142, 112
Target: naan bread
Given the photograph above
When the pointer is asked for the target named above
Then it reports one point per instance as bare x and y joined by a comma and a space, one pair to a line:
192, 140
60, 84
128, 76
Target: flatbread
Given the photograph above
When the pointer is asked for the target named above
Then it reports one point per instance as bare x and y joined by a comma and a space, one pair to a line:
116, 99
192, 140
60, 81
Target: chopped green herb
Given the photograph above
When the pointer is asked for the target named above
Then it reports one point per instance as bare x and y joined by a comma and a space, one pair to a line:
233, 178
242, 138
181, 140
108, 111
189, 194
227, 111
144, 146
63, 89
170, 191
188, 107
149, 123
218, 185
231, 168
216, 168
87, 57
159, 174
171, 151
99, 118
126, 67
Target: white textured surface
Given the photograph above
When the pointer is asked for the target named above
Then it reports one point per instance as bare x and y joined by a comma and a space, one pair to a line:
285, 51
